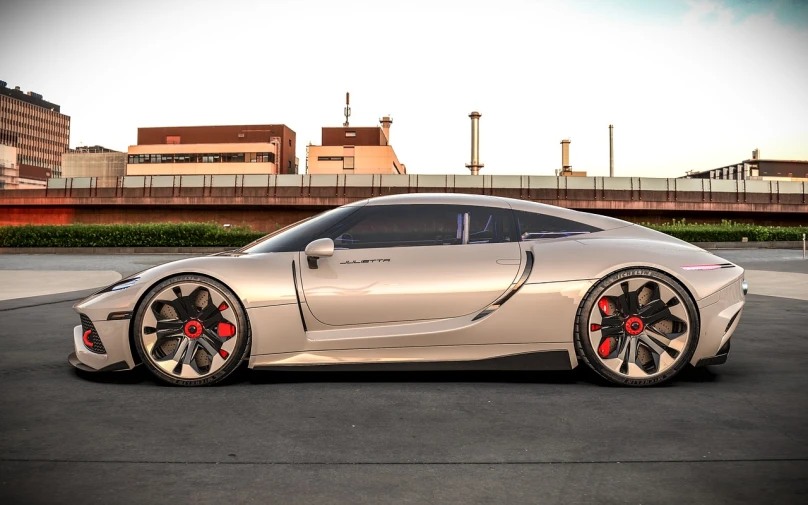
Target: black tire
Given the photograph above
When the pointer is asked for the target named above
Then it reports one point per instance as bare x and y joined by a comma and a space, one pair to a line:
242, 333
587, 353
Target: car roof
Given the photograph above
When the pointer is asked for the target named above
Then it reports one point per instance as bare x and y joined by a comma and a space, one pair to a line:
602, 222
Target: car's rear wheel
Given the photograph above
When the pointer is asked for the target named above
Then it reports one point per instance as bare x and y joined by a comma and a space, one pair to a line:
637, 327
191, 330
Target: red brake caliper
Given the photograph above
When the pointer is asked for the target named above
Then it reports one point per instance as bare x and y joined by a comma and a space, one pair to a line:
606, 347
226, 330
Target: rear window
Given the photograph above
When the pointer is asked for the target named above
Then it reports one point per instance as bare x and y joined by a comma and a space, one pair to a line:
534, 226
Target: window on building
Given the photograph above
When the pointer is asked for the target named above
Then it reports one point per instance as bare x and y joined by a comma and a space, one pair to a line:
348, 163
155, 158
167, 158
265, 157
172, 139
329, 158
350, 134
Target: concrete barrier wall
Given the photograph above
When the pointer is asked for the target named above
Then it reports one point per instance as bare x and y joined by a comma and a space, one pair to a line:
266, 201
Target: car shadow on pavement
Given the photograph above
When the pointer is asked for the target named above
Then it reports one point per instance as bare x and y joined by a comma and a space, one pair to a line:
243, 375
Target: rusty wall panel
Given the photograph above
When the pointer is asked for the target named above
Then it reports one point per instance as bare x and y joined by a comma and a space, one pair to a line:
365, 136
162, 192
691, 196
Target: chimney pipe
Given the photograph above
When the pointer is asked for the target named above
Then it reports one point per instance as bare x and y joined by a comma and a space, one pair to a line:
611, 150
565, 155
347, 108
386, 121
475, 164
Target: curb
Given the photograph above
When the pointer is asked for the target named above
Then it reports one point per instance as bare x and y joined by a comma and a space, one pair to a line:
795, 244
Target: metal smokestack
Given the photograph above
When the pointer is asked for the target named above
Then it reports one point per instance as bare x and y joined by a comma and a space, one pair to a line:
565, 155
347, 108
611, 150
475, 164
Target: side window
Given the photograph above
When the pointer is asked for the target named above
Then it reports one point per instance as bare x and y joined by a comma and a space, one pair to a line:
489, 225
400, 226
422, 225
533, 226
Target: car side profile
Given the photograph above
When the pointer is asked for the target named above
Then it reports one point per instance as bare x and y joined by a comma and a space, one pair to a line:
425, 281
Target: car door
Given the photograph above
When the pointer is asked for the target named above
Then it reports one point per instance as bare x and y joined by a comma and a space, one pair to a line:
396, 263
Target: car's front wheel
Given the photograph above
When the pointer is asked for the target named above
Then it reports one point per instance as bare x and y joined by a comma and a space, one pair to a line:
191, 330
637, 327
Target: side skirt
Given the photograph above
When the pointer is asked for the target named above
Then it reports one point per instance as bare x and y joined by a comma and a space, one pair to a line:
535, 361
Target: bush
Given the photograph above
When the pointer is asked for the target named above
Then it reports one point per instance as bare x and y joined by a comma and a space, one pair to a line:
127, 235
728, 231
213, 235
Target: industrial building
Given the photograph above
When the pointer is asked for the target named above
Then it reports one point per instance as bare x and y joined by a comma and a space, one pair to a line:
38, 131
354, 150
756, 168
95, 161
213, 150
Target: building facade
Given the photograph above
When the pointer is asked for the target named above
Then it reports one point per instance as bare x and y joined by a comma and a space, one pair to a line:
187, 150
9, 174
95, 161
757, 169
37, 129
354, 150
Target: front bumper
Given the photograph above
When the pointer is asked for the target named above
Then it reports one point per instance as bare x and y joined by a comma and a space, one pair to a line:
118, 354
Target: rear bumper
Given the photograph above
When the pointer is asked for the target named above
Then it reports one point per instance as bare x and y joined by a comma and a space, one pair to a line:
718, 359
115, 337
720, 314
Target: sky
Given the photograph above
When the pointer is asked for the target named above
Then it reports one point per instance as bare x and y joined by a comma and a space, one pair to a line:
688, 84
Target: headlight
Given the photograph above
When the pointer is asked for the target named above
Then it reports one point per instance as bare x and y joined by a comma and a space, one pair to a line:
118, 286
745, 287
128, 283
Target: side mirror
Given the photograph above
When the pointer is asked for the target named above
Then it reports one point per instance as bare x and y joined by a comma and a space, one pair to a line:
320, 248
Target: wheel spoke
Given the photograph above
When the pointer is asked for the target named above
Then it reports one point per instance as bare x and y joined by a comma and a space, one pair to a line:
629, 302
670, 341
631, 352
659, 316
677, 310
190, 352
177, 354
652, 308
210, 342
180, 304
169, 328
654, 345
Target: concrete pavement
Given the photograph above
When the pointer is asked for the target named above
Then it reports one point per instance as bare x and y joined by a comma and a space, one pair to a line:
736, 433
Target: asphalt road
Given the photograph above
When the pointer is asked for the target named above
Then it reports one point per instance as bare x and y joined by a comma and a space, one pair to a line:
735, 433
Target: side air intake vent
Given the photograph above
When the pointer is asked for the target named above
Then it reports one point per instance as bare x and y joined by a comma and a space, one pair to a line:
90, 337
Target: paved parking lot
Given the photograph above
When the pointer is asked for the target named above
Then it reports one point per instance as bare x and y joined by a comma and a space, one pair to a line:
730, 434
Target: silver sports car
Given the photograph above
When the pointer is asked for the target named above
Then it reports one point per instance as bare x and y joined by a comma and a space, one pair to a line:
425, 281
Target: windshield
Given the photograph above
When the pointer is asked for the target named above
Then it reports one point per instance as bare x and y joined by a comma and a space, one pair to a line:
297, 236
